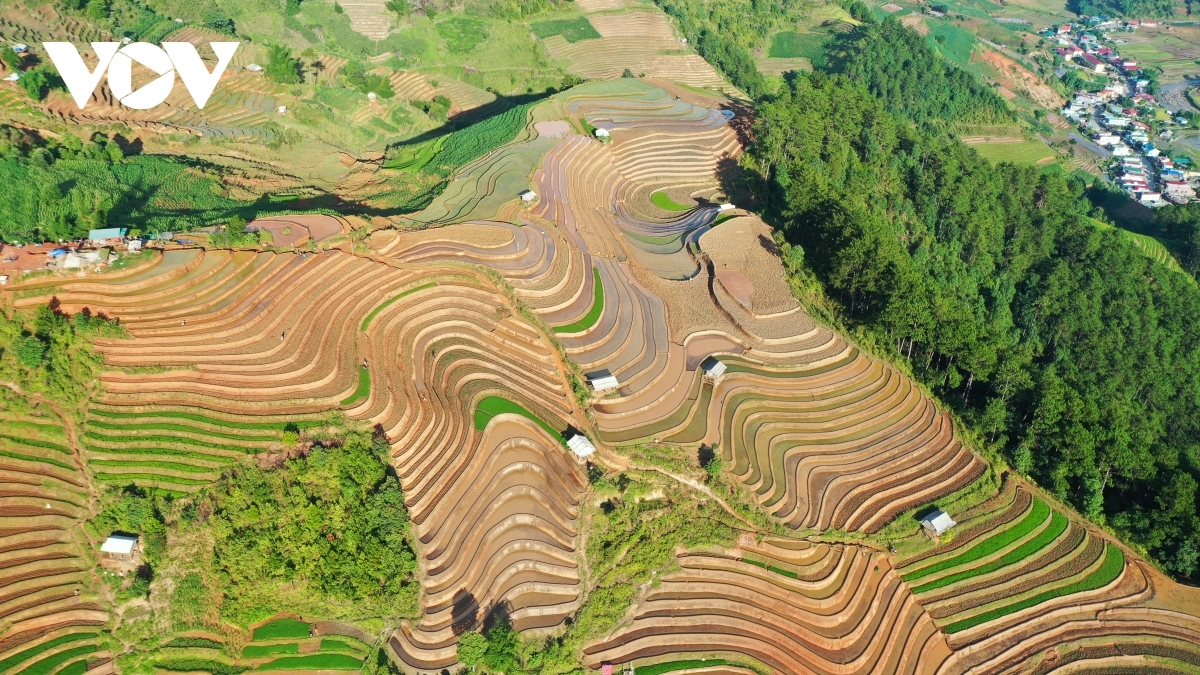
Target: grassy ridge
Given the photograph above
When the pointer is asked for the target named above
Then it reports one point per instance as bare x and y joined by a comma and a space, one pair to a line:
280, 629
387, 303
444, 155
593, 314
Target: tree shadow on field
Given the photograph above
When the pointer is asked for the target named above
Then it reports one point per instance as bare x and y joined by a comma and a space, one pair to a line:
734, 183
464, 611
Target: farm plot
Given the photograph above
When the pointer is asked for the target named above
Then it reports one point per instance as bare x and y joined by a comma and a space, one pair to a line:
46, 618
788, 608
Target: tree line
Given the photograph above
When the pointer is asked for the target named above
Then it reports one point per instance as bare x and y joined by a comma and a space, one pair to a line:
1062, 344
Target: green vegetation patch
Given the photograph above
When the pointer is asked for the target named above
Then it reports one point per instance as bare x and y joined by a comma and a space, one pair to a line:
1025, 153
281, 629
168, 426
259, 651
664, 201
462, 34
314, 662
776, 570
328, 645
20, 656
387, 303
204, 643
672, 666
1106, 573
75, 668
491, 406
1036, 516
364, 386
444, 155
48, 664
1058, 525
572, 30
185, 665
793, 45
36, 460
171, 414
593, 314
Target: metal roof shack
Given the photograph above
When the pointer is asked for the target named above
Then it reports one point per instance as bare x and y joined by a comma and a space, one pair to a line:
106, 234
120, 545
528, 196
713, 368
580, 445
603, 380
937, 522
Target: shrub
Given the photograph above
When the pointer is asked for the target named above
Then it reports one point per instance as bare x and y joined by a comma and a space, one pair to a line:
30, 351
281, 66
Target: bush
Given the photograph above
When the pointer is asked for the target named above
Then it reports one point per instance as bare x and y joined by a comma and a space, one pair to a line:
30, 351
281, 66
220, 23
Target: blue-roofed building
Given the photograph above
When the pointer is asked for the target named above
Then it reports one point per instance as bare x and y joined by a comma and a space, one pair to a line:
107, 234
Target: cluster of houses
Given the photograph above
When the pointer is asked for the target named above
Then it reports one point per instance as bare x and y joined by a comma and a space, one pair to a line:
1114, 116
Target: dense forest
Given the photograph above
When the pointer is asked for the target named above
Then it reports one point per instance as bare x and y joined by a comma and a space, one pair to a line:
1064, 346
1134, 9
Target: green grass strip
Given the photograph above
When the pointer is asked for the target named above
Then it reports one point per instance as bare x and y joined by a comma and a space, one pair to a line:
167, 426
180, 454
34, 443
776, 570
494, 405
722, 218
132, 477
125, 438
49, 663
1058, 525
1036, 516
258, 651
36, 460
1106, 573
662, 201
593, 314
34, 651
280, 629
169, 466
187, 664
387, 303
77, 668
204, 643
672, 666
171, 414
38, 427
314, 662
339, 646
364, 387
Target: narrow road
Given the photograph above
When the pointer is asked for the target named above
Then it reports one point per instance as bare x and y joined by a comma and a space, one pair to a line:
1091, 145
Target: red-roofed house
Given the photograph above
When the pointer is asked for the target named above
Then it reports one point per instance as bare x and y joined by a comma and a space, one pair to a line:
1096, 64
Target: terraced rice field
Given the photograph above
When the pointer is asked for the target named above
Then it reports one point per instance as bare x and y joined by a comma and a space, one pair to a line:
47, 617
461, 339
636, 37
787, 606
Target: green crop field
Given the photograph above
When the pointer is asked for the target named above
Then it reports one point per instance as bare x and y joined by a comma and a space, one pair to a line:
663, 201
1027, 153
491, 406
314, 662
280, 629
1037, 515
185, 665
259, 651
1058, 525
791, 45
24, 655
1106, 573
572, 30
444, 155
593, 314
364, 387
777, 570
48, 664
672, 666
